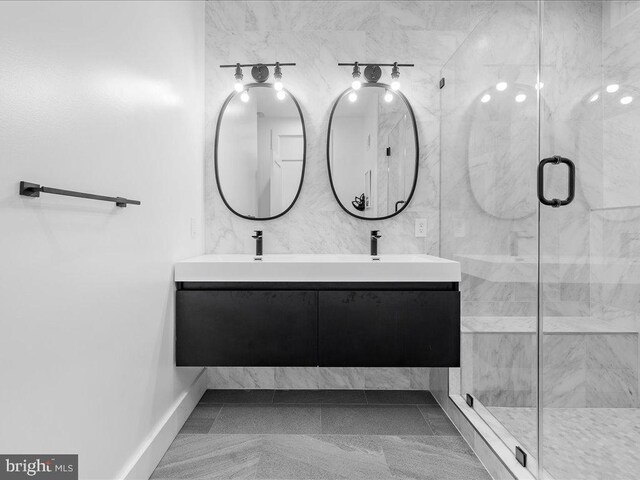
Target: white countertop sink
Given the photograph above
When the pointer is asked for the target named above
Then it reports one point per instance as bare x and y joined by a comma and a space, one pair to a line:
317, 268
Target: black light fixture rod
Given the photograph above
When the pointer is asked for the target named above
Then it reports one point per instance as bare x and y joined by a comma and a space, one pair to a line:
351, 64
29, 189
244, 65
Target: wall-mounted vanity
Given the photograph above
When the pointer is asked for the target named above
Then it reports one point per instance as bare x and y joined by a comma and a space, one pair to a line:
318, 310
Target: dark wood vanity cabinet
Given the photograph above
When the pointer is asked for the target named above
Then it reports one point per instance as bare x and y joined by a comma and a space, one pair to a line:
389, 328
318, 324
246, 328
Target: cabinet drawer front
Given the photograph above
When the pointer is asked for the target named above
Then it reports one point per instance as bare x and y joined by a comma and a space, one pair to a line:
246, 328
389, 329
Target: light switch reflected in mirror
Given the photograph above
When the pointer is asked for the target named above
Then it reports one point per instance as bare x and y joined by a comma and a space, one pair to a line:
260, 152
372, 151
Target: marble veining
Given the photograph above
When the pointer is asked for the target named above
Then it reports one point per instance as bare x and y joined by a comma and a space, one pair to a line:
317, 35
595, 369
301, 378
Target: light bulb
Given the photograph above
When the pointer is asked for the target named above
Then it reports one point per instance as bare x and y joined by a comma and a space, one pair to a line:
356, 84
594, 97
626, 100
281, 95
278, 85
613, 88
485, 98
501, 86
244, 96
238, 86
521, 97
395, 85
353, 96
388, 96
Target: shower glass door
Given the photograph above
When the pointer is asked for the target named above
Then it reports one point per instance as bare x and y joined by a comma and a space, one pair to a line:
551, 288
489, 214
589, 247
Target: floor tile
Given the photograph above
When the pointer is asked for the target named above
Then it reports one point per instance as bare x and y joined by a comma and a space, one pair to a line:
322, 457
237, 396
438, 420
320, 396
400, 397
373, 420
432, 458
585, 443
201, 418
210, 457
273, 419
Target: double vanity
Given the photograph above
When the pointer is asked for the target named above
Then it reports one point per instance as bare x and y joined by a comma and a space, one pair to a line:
318, 310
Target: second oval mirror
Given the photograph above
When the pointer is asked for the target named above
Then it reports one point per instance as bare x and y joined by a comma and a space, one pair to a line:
372, 152
260, 152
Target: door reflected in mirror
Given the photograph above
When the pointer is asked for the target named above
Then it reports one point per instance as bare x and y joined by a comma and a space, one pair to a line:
260, 152
373, 152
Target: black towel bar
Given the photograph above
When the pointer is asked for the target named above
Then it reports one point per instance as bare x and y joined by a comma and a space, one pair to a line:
34, 190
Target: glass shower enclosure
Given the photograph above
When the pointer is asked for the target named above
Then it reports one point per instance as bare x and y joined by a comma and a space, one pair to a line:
540, 195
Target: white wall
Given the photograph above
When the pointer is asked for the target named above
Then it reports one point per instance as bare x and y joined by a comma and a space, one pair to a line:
103, 97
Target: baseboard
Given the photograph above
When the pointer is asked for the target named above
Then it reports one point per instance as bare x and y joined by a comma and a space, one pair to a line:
147, 457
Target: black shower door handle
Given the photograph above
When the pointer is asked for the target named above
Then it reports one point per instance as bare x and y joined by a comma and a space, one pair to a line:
556, 202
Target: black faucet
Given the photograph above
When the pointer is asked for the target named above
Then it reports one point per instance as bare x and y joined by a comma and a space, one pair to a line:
375, 235
258, 237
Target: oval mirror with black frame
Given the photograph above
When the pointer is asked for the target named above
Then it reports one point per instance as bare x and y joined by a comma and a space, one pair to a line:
260, 152
372, 151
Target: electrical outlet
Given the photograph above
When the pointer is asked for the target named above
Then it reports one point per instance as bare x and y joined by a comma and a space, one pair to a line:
421, 227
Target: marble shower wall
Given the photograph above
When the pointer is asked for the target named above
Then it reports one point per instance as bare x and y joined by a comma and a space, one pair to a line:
589, 268
317, 35
485, 139
615, 226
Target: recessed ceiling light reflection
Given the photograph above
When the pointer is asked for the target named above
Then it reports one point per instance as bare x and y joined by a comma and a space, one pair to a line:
594, 97
521, 97
626, 100
485, 98
613, 88
501, 86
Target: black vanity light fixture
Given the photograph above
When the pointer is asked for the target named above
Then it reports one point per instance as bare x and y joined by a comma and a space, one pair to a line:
260, 73
372, 74
356, 84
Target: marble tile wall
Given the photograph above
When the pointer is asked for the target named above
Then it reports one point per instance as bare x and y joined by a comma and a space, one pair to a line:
294, 378
580, 369
317, 35
589, 257
616, 232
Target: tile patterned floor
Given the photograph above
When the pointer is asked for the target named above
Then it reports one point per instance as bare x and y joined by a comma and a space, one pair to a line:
319, 434
581, 443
